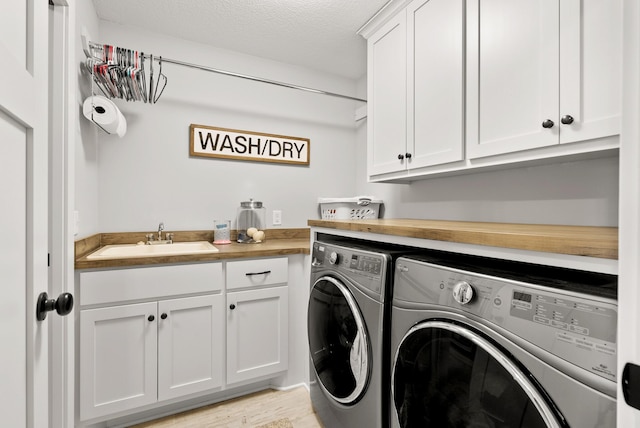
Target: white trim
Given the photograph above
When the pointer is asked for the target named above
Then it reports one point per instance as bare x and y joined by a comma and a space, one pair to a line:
629, 209
61, 161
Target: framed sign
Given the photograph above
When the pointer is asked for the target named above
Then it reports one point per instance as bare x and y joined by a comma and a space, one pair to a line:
212, 142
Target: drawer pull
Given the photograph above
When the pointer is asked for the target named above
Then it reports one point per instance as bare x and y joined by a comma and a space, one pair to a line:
266, 272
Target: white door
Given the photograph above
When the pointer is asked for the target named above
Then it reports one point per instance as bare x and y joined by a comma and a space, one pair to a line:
23, 186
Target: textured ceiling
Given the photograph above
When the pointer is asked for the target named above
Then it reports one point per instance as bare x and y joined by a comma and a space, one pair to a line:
317, 34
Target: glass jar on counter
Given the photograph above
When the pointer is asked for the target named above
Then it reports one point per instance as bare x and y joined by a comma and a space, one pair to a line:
251, 222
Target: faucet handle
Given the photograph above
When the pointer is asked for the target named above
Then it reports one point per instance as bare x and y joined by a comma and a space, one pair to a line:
169, 236
149, 237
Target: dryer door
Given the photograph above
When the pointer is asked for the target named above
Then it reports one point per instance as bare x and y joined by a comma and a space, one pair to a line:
339, 345
446, 375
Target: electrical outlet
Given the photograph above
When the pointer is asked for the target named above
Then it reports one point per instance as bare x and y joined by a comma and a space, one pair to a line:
277, 217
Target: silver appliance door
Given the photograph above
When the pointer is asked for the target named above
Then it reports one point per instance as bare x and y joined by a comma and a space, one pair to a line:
447, 375
339, 345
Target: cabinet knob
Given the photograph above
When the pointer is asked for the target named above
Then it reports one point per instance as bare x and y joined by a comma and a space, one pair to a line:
408, 155
547, 123
164, 316
232, 306
567, 119
400, 156
151, 318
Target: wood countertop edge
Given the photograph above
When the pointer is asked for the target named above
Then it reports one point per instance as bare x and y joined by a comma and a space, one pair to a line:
589, 241
288, 242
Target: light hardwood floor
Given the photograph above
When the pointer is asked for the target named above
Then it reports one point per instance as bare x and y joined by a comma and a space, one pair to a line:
253, 410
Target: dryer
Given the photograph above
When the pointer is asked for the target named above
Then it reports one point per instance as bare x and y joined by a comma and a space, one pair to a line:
487, 343
348, 331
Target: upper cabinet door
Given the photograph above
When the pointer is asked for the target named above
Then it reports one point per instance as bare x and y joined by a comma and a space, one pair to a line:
435, 49
387, 99
512, 75
590, 69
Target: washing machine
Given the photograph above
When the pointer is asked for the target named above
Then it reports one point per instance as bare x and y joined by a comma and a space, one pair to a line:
486, 343
348, 331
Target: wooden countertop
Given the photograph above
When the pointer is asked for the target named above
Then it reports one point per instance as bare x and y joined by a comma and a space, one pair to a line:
588, 241
279, 242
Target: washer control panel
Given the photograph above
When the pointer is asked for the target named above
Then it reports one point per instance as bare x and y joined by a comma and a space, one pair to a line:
365, 267
577, 327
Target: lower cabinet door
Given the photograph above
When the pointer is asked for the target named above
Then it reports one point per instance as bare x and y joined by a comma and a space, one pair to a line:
118, 359
190, 345
257, 333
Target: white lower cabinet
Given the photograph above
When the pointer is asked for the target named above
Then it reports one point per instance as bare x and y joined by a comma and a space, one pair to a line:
118, 359
190, 351
153, 334
257, 339
133, 355
257, 319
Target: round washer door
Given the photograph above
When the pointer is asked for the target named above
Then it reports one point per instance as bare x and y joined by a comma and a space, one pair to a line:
339, 345
446, 375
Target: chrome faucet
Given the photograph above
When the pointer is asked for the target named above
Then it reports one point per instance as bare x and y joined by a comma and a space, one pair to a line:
151, 238
160, 229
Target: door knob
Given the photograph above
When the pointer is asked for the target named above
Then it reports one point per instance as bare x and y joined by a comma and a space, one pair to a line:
232, 306
408, 155
400, 156
62, 305
567, 119
547, 123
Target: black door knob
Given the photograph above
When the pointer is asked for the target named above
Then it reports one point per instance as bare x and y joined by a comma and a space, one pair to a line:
164, 316
62, 305
547, 123
408, 155
400, 156
567, 119
151, 318
232, 306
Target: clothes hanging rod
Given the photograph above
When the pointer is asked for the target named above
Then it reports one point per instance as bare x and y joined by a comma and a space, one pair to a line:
256, 79
87, 45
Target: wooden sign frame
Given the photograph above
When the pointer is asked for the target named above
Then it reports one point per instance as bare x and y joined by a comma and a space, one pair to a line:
214, 142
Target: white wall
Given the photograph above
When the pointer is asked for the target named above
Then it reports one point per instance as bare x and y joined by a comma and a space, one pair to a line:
85, 144
131, 184
148, 176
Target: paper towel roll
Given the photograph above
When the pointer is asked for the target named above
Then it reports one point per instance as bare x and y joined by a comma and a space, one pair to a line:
105, 113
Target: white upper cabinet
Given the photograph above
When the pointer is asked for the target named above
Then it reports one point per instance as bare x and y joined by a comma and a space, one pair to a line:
541, 73
387, 99
416, 81
435, 83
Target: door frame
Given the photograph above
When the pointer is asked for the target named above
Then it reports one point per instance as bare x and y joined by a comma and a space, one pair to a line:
62, 97
629, 208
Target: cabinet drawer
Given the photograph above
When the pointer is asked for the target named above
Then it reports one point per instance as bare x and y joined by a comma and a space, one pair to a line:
122, 285
258, 272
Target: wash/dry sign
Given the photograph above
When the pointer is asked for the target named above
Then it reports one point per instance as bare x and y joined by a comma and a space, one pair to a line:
212, 142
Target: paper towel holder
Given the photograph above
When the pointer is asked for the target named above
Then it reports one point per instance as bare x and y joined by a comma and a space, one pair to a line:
119, 126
